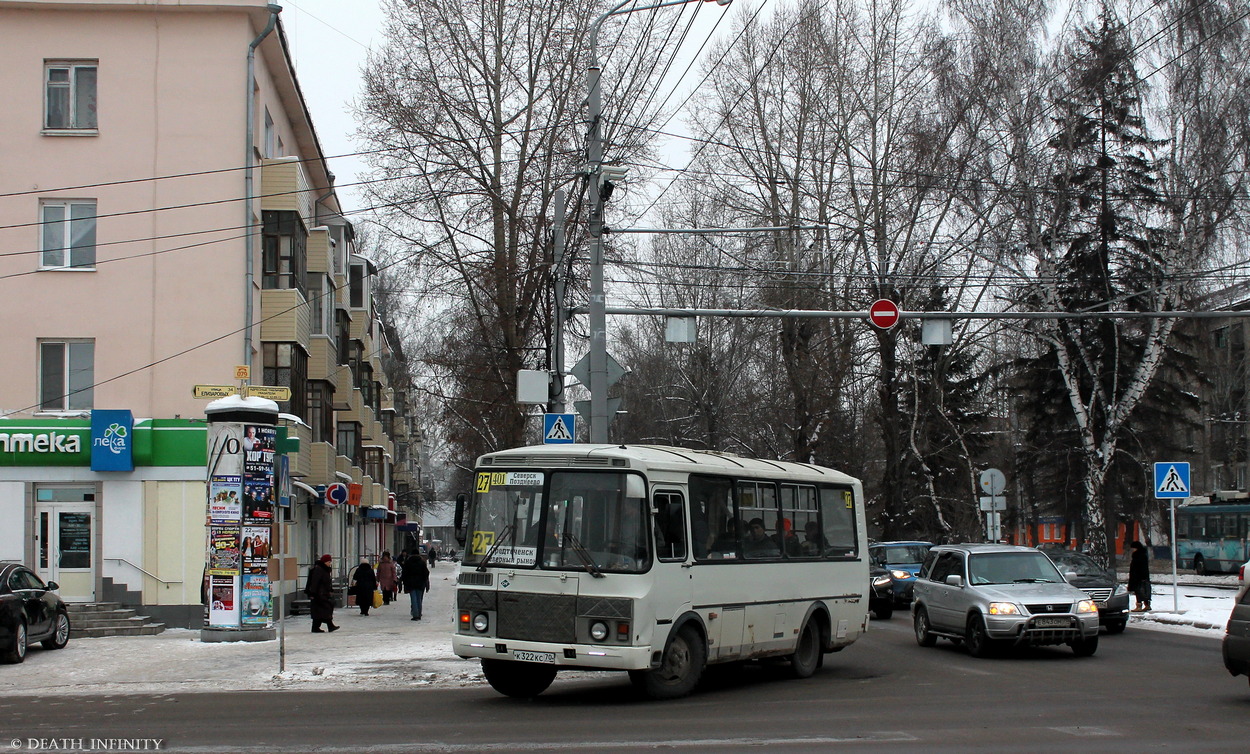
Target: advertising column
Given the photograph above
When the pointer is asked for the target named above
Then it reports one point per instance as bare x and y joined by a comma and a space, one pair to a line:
242, 438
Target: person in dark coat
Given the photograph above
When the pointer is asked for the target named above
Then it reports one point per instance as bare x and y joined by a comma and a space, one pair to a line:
320, 595
416, 580
364, 583
1139, 576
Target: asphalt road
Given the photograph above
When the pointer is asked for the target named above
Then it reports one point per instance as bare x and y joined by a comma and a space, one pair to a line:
1143, 690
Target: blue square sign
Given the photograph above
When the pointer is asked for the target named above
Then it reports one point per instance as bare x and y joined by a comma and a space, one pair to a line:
1172, 479
559, 428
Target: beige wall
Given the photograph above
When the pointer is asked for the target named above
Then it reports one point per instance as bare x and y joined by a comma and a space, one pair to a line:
171, 101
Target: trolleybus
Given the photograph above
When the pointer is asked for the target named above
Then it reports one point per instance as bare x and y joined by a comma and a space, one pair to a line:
657, 561
1213, 537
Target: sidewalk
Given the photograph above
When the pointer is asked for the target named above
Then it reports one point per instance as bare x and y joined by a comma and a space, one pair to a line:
380, 651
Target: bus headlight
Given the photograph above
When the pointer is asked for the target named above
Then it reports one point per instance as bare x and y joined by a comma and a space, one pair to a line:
598, 630
480, 623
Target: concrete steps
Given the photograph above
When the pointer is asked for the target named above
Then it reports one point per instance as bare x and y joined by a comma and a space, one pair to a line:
94, 619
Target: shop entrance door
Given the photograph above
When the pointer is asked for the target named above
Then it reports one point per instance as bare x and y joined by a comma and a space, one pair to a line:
65, 537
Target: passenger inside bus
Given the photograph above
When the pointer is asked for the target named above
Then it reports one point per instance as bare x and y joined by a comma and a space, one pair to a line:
813, 541
726, 545
757, 543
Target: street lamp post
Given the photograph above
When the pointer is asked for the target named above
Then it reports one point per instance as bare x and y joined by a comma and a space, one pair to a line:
598, 306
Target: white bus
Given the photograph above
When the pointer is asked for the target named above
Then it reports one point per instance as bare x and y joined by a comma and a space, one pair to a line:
657, 561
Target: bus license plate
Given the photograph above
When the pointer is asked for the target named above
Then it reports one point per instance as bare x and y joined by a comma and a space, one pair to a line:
547, 657
1052, 622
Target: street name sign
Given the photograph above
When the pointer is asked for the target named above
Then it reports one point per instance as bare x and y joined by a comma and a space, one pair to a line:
214, 391
272, 392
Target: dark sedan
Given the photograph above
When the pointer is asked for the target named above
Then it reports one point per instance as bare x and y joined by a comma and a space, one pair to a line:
1100, 584
30, 611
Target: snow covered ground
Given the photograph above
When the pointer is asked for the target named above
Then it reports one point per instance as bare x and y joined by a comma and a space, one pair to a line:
386, 650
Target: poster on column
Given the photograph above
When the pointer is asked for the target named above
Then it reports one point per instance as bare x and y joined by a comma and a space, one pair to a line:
223, 549
254, 599
255, 549
225, 499
223, 606
225, 450
258, 451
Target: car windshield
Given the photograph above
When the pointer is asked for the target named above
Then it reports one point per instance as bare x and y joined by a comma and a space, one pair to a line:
1011, 568
900, 554
1083, 565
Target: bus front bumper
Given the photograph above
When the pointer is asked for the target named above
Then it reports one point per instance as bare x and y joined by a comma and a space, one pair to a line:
588, 656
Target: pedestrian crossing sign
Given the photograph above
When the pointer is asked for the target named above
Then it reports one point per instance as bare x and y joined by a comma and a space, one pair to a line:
559, 428
1172, 479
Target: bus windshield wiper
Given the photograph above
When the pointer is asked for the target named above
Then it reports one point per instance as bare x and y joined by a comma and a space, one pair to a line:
493, 548
582, 553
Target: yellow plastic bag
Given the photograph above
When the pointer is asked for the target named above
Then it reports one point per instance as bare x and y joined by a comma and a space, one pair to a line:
377, 598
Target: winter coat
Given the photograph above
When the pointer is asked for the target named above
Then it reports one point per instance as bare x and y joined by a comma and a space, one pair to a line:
416, 575
320, 592
386, 575
364, 582
1138, 569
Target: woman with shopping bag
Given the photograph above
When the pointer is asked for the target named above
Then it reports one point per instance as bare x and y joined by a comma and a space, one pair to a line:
364, 584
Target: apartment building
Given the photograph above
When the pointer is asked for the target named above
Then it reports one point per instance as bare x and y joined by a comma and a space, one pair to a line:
166, 215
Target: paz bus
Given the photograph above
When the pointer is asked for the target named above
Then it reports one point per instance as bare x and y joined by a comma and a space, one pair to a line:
657, 561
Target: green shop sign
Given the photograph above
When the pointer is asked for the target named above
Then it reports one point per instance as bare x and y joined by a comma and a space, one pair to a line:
67, 442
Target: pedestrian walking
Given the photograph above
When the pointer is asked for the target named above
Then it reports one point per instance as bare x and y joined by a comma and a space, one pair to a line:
364, 582
321, 595
433, 557
386, 578
416, 580
1139, 576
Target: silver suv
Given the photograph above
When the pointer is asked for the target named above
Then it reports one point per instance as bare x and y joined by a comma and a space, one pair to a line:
993, 595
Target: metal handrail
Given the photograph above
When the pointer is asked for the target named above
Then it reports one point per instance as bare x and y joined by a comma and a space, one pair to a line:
132, 565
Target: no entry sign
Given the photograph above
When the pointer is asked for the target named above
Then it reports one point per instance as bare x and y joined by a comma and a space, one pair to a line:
883, 313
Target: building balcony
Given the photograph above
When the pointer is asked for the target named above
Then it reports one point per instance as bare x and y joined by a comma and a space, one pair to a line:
320, 252
323, 361
321, 463
284, 317
284, 186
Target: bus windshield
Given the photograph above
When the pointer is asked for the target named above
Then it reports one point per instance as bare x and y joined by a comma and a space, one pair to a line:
593, 521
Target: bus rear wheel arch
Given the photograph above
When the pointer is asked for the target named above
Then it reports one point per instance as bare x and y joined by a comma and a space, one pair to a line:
522, 680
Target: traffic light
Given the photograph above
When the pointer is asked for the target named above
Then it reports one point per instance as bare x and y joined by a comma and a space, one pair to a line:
608, 176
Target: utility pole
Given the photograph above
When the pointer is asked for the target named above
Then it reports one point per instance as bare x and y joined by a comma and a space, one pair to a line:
555, 403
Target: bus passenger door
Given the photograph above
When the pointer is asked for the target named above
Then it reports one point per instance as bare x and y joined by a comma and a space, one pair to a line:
671, 582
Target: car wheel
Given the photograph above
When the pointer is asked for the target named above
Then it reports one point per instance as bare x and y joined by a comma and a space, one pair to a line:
680, 670
1116, 627
522, 680
806, 657
883, 610
60, 636
1085, 647
924, 637
17, 651
979, 643
1200, 565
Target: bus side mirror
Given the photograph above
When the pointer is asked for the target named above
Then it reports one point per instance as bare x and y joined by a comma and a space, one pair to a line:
458, 521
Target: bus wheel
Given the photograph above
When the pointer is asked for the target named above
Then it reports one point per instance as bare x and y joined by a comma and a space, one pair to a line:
806, 657
680, 670
522, 680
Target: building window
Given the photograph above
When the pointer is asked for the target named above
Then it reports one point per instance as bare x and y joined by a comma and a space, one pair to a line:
373, 464
67, 234
343, 326
321, 304
356, 286
286, 365
270, 135
321, 411
66, 375
70, 101
348, 443
284, 250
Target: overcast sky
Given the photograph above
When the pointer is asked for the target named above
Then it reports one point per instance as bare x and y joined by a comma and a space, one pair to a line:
330, 40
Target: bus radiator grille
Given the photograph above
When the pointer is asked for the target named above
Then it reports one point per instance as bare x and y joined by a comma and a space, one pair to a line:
537, 617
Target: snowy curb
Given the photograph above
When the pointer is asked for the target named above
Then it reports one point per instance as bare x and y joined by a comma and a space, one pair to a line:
1177, 619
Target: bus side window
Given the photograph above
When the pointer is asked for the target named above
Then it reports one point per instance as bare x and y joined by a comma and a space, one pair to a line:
837, 514
670, 526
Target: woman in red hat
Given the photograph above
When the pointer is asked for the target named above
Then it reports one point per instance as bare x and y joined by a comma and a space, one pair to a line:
320, 595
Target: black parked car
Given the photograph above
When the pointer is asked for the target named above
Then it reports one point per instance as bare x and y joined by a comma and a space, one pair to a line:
1100, 584
30, 610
